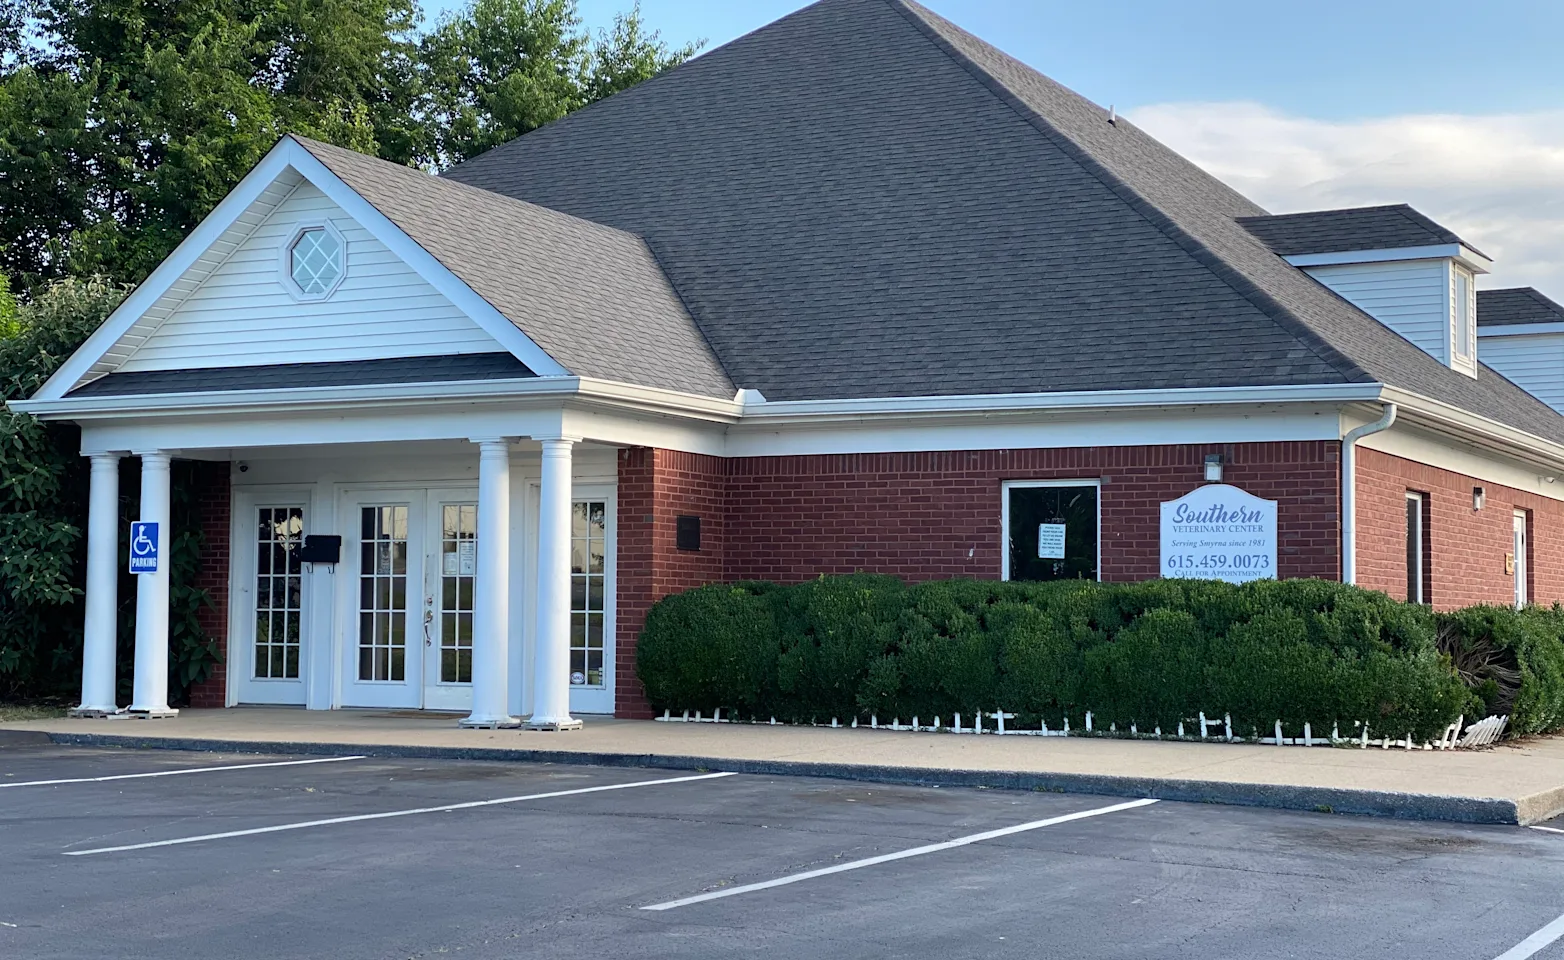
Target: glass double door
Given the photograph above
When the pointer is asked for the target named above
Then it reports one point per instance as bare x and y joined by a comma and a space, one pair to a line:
411, 557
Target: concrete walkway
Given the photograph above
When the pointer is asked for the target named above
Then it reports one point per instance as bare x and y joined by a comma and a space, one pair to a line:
1508, 784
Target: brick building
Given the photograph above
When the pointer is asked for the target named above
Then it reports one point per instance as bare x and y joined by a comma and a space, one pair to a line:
854, 292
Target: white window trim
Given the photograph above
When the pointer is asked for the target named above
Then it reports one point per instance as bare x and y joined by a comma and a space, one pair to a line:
1522, 558
1416, 497
1463, 356
285, 265
1004, 516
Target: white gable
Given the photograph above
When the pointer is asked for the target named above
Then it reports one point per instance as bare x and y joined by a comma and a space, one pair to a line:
241, 313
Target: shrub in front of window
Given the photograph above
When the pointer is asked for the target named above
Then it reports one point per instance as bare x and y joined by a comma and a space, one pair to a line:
1150, 654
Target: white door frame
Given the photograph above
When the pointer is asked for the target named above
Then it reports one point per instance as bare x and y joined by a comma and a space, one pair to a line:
437, 694
408, 692
243, 686
588, 700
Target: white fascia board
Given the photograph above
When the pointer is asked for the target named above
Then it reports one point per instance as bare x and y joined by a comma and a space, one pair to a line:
1519, 329
1468, 426
158, 283
1441, 251
775, 413
346, 398
435, 273
297, 399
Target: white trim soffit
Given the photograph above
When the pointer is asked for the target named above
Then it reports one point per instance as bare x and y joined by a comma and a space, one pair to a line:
1519, 329
1456, 251
670, 402
1450, 419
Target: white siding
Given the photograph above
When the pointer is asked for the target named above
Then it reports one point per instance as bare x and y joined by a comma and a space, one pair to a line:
1411, 297
242, 315
1535, 362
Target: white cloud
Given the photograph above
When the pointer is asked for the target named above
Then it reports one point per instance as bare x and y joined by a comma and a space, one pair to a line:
1498, 180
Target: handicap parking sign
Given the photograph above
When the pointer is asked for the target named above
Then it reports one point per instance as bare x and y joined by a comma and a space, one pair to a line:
143, 547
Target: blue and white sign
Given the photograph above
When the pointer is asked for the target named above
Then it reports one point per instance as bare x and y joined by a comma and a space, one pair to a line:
143, 547
1219, 532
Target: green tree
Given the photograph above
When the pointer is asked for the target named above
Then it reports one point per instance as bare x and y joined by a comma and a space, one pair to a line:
499, 68
123, 122
42, 491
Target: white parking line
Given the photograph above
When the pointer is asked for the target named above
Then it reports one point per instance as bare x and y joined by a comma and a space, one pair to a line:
177, 773
1534, 943
470, 805
1548, 829
887, 858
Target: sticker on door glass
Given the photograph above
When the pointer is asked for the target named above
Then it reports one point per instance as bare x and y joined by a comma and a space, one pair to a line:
1050, 541
448, 564
577, 679
467, 552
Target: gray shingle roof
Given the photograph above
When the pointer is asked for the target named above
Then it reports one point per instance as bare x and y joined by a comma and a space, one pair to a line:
282, 376
1355, 228
591, 296
1516, 305
863, 200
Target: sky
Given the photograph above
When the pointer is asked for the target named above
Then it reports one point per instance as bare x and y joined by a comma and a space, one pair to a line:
1454, 107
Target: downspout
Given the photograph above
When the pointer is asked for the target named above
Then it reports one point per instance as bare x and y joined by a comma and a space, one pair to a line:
1349, 490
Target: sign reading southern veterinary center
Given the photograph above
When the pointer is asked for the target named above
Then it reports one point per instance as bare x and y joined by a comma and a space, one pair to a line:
1219, 532
143, 547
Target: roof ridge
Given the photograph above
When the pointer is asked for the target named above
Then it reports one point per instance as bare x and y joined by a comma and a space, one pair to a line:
442, 182
1268, 305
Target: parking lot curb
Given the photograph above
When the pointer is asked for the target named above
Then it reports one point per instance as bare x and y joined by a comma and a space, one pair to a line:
1374, 803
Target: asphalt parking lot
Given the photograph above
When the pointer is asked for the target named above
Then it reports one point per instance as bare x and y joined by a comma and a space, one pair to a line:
222, 855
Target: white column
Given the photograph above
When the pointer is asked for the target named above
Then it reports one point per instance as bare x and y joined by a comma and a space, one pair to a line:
551, 641
149, 696
99, 630
491, 604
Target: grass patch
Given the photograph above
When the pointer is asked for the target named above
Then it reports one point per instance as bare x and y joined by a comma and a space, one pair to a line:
29, 711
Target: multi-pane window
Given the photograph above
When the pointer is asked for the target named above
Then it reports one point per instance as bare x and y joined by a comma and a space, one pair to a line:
458, 572
382, 604
588, 543
278, 591
315, 261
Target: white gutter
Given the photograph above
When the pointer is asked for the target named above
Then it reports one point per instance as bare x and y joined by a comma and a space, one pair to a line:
1349, 490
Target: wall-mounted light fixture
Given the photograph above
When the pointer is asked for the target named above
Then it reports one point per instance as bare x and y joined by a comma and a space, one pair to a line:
1213, 466
1478, 497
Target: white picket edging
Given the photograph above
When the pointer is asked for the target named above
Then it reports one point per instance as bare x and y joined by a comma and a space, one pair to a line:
1454, 737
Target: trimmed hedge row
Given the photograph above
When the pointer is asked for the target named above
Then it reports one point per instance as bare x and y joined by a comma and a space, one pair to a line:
1151, 653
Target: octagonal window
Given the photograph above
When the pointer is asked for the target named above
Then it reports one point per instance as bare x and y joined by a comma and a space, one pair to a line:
315, 261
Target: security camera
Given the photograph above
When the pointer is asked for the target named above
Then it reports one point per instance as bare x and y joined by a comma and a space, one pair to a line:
244, 467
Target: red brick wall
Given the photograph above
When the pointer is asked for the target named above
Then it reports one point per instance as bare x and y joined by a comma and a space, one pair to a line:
926, 515
655, 488
929, 515
1466, 548
214, 503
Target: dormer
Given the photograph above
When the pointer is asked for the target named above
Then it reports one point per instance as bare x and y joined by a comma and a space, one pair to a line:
1522, 334
1393, 263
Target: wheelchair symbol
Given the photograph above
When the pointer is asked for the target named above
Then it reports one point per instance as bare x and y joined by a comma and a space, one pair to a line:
143, 547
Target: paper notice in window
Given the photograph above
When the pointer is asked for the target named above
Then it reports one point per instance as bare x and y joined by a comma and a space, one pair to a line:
448, 564
467, 550
1050, 541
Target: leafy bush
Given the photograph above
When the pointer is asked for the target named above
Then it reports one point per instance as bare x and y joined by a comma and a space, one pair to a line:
1150, 654
43, 500
1512, 659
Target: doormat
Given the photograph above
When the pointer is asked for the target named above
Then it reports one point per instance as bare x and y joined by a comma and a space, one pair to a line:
416, 715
